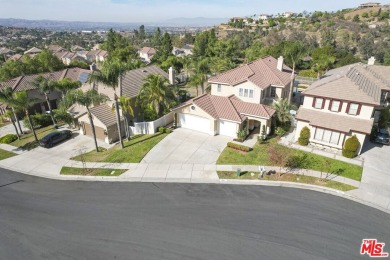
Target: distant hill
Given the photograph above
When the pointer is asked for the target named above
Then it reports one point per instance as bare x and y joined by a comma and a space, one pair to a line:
194, 22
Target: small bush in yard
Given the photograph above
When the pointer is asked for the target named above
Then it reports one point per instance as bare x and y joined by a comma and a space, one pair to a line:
304, 136
7, 139
280, 131
167, 131
38, 121
161, 129
239, 147
351, 147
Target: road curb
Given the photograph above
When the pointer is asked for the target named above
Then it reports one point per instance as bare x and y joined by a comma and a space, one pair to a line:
206, 181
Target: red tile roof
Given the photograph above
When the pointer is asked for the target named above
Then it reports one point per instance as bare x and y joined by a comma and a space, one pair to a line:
262, 72
229, 108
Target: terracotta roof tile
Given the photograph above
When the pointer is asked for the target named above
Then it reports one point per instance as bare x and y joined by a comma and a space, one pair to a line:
262, 72
148, 50
335, 122
105, 114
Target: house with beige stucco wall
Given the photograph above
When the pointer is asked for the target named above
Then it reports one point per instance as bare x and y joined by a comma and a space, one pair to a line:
345, 102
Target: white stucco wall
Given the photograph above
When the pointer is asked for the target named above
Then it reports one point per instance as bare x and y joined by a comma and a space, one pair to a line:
199, 112
227, 90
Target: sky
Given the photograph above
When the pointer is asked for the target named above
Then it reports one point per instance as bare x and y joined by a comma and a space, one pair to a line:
158, 10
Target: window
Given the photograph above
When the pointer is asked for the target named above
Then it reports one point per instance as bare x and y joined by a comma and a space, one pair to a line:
327, 136
219, 88
251, 93
240, 93
245, 92
335, 106
353, 109
318, 103
273, 92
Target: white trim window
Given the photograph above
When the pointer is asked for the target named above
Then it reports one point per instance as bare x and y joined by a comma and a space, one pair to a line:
219, 88
241, 92
318, 103
251, 93
353, 109
327, 136
246, 91
335, 106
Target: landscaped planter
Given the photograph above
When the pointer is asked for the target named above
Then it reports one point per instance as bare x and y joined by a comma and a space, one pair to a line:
239, 147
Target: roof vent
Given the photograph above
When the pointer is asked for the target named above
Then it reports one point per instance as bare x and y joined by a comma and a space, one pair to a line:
144, 71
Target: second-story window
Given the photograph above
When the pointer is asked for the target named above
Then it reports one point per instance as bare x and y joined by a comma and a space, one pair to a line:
353, 109
318, 103
241, 92
219, 88
251, 93
335, 106
246, 92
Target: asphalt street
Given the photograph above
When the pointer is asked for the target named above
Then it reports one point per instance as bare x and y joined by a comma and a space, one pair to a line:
48, 219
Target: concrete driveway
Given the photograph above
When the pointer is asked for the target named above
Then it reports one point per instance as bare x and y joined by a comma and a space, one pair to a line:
9, 129
52, 159
185, 146
375, 185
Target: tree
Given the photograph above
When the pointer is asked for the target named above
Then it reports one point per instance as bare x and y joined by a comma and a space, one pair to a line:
111, 76
165, 49
86, 99
194, 82
9, 114
24, 102
283, 108
278, 156
294, 51
141, 32
202, 69
351, 147
356, 19
304, 136
323, 59
45, 86
65, 85
8, 98
155, 94
125, 104
156, 40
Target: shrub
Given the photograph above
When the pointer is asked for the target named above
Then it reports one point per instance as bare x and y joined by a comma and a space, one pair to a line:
167, 131
7, 139
304, 136
239, 147
38, 120
280, 131
161, 129
307, 73
351, 147
241, 134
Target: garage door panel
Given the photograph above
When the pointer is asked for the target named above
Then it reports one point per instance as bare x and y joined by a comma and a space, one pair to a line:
227, 128
196, 123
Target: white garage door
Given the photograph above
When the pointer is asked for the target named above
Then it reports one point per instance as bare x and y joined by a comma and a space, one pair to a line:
197, 123
227, 128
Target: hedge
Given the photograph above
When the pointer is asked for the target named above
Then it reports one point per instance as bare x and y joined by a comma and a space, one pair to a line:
239, 147
351, 147
304, 136
9, 138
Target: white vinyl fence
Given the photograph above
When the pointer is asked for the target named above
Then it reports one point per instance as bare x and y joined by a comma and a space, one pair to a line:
151, 127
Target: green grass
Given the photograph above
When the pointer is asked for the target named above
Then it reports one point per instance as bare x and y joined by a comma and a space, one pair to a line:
91, 171
289, 178
134, 151
27, 141
260, 156
6, 154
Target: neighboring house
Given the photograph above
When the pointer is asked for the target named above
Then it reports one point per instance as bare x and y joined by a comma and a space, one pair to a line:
96, 56
33, 51
147, 53
222, 115
262, 81
238, 99
104, 120
265, 17
15, 57
177, 52
76, 48
25, 83
369, 5
67, 57
55, 48
345, 102
187, 49
6, 53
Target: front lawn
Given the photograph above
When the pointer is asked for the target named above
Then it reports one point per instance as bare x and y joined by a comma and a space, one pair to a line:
289, 178
27, 141
134, 151
260, 156
91, 171
6, 154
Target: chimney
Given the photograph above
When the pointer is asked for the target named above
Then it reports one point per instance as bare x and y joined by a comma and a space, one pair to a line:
280, 63
371, 61
171, 76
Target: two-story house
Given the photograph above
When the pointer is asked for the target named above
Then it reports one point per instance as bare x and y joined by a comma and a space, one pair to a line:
238, 99
344, 103
147, 53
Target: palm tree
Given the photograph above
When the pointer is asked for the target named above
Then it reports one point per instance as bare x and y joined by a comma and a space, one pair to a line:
155, 93
11, 115
202, 69
294, 52
86, 99
125, 104
6, 96
24, 102
65, 85
111, 75
283, 108
195, 82
45, 86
